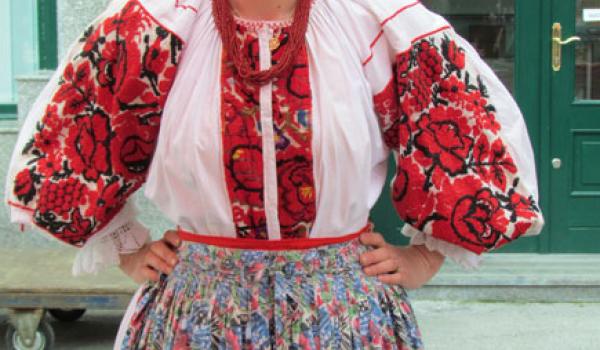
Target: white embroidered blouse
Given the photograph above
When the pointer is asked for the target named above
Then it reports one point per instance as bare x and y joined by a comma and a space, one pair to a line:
302, 156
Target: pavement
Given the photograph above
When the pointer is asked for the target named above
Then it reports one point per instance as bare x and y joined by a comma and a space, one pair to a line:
509, 326
445, 325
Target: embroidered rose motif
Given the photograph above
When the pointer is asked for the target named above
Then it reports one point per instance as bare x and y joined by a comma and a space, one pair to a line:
444, 136
455, 177
479, 219
133, 150
107, 93
296, 194
86, 146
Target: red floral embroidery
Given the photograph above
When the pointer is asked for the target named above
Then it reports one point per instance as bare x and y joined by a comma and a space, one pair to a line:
292, 117
455, 178
242, 141
93, 146
242, 145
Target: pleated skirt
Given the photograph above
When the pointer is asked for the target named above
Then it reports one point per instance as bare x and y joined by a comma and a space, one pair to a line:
231, 298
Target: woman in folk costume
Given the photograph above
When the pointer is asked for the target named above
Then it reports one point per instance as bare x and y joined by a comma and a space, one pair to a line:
276, 119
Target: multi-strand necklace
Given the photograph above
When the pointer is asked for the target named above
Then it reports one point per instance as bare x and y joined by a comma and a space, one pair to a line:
226, 25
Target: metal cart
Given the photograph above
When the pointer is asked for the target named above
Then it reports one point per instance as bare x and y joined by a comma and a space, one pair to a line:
36, 280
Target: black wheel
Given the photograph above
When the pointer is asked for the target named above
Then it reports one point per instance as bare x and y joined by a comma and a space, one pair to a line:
43, 340
67, 315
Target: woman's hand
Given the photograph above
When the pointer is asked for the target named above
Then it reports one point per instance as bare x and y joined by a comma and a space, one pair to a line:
152, 258
410, 267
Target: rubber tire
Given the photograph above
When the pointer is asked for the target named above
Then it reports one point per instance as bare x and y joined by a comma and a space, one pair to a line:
67, 315
44, 332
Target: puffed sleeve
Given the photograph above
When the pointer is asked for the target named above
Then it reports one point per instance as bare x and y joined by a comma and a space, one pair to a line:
465, 181
86, 144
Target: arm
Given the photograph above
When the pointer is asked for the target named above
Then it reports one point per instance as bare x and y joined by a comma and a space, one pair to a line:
86, 144
465, 180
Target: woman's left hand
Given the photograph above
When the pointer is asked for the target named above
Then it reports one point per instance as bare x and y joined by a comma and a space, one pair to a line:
410, 267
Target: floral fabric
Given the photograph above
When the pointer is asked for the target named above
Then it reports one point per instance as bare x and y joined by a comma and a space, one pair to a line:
242, 139
317, 298
93, 146
455, 176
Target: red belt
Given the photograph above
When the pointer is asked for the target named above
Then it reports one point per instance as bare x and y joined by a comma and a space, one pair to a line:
268, 244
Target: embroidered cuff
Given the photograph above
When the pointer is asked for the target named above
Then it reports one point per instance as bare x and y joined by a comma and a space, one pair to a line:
103, 249
459, 255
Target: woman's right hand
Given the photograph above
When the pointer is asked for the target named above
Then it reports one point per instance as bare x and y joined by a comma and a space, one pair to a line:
152, 259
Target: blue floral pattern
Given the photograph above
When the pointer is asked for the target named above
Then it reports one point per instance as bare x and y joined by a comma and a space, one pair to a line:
315, 298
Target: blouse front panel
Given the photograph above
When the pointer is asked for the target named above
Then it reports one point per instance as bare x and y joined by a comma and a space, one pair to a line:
348, 164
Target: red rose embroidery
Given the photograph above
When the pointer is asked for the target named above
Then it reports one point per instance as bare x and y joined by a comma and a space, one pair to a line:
479, 219
444, 136
296, 194
455, 178
133, 147
86, 146
108, 96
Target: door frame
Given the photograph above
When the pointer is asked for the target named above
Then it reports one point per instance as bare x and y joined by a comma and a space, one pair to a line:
532, 92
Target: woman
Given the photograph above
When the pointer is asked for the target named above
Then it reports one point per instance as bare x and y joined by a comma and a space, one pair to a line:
276, 119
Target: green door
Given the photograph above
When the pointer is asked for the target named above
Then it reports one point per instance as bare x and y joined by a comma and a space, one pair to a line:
574, 126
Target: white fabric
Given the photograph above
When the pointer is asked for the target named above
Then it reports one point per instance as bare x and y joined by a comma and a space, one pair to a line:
347, 66
124, 234
457, 254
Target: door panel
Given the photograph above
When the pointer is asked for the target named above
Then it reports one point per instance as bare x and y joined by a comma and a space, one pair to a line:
575, 130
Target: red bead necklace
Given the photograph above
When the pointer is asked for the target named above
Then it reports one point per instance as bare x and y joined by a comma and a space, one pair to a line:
226, 25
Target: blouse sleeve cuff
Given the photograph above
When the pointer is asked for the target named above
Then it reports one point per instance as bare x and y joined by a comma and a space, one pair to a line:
103, 249
459, 255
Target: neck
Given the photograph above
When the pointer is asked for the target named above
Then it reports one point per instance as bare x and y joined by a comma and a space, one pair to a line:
269, 10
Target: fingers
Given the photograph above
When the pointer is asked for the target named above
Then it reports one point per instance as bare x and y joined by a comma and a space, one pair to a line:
375, 256
172, 238
373, 238
386, 266
165, 252
150, 274
156, 262
392, 278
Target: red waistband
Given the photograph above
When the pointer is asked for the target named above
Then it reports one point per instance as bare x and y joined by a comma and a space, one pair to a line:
265, 244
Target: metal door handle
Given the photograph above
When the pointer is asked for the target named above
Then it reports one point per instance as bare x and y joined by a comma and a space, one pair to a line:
557, 44
567, 41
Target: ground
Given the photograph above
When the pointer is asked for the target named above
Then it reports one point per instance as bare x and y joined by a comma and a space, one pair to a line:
445, 325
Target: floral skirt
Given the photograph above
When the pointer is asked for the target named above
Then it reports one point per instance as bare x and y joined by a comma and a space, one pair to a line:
313, 298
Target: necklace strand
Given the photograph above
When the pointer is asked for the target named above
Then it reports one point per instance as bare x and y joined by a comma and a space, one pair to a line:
226, 25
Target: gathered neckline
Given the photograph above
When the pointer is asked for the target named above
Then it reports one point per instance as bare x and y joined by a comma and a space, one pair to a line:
259, 23
255, 24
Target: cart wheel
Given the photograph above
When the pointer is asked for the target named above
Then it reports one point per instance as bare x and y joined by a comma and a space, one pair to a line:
67, 315
44, 338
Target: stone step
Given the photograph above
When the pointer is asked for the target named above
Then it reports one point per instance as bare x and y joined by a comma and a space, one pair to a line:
519, 278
